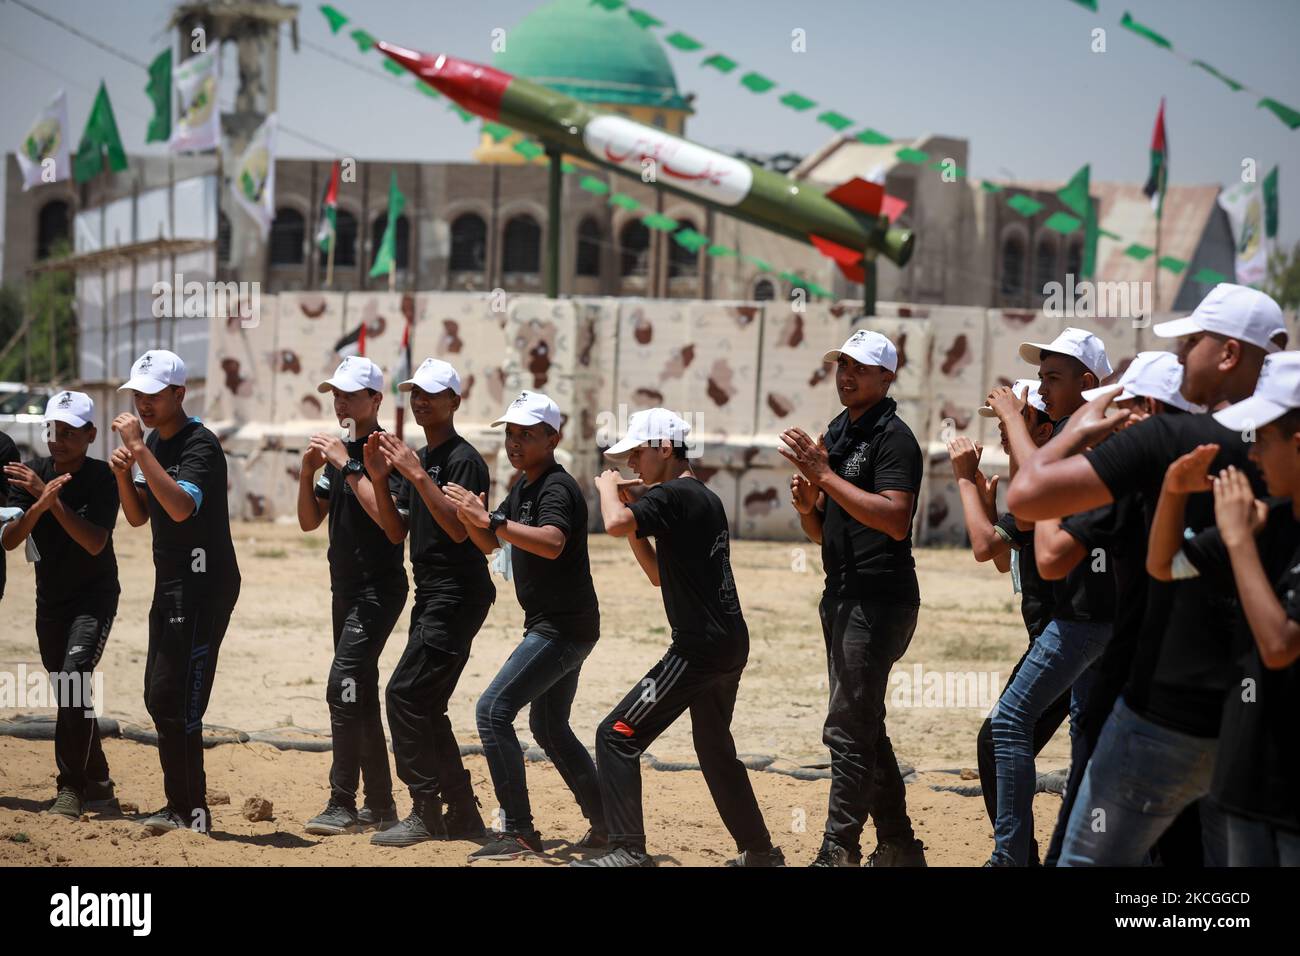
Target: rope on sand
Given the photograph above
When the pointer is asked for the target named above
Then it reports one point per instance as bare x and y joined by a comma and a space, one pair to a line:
1052, 781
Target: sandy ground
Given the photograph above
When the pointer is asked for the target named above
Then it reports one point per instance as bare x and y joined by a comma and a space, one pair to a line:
275, 658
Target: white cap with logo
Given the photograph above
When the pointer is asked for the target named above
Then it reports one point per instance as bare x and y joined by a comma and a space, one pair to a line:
531, 408
433, 376
1154, 374
1026, 388
356, 372
1276, 393
1237, 311
72, 408
1077, 343
154, 371
652, 424
867, 348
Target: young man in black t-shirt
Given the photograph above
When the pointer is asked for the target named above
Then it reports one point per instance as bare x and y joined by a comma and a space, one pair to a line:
856, 496
368, 588
453, 593
1173, 698
69, 504
181, 492
690, 562
544, 522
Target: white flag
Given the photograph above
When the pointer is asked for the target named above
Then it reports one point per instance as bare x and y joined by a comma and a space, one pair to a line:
43, 153
1244, 204
253, 180
198, 119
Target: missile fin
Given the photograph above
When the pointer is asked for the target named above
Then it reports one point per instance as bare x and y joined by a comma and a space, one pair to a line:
892, 207
843, 255
854, 273
859, 194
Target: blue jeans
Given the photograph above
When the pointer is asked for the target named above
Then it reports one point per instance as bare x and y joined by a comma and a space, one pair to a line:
1141, 776
1259, 843
543, 672
1060, 659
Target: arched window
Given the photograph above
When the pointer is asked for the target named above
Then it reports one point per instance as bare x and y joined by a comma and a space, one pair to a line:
1013, 266
1044, 265
764, 291
589, 240
403, 238
634, 249
51, 226
681, 260
468, 243
1074, 258
522, 248
287, 232
223, 238
345, 235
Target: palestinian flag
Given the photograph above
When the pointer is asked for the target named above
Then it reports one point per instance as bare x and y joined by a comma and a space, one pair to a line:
1159, 175
354, 343
329, 211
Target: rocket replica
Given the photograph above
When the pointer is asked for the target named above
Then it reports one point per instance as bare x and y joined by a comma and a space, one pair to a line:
842, 223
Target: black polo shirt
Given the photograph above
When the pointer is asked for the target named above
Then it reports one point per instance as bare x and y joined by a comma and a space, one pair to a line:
1036, 597
875, 453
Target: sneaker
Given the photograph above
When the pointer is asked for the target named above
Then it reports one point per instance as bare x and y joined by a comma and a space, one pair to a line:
99, 791
832, 854
510, 846
66, 804
772, 857
371, 819
424, 823
619, 856
898, 853
593, 839
462, 818
164, 821
333, 820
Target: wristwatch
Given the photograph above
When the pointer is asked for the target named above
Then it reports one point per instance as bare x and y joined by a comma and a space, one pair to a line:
353, 467
495, 520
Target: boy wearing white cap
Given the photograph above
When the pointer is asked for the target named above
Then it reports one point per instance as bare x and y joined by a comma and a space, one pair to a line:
180, 492
368, 589
690, 561
453, 593
69, 503
543, 520
1182, 666
856, 495
1252, 553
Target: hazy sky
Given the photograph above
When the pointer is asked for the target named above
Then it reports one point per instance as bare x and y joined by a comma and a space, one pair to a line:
1017, 78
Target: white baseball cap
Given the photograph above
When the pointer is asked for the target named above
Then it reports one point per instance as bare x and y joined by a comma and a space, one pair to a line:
433, 376
1026, 388
72, 408
353, 374
867, 348
652, 424
1276, 393
1236, 311
1077, 343
154, 371
1153, 374
529, 409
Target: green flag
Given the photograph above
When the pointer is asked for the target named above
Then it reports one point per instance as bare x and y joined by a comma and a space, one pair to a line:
1270, 204
99, 135
1075, 196
160, 94
386, 257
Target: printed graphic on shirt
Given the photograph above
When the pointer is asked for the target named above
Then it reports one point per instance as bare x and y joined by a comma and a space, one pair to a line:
525, 512
727, 590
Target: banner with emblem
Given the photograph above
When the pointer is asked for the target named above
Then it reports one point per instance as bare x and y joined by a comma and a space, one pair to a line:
253, 180
46, 140
198, 115
1245, 205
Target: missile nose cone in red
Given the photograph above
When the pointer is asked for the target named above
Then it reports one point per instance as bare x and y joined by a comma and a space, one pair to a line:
475, 86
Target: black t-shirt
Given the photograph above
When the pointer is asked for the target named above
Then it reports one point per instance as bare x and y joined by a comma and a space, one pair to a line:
1181, 668
438, 561
1087, 593
8, 456
1036, 598
194, 560
360, 555
557, 595
693, 551
1257, 771
67, 572
876, 453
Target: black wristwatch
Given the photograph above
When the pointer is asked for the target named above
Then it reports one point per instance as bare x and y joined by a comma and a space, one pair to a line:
353, 467
495, 520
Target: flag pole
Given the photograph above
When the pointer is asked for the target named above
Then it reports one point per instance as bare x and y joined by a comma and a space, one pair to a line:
392, 274
329, 261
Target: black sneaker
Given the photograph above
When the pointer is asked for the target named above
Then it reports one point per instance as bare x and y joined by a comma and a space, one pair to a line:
510, 846
99, 791
772, 857
620, 856
164, 821
832, 854
424, 823
462, 818
593, 839
333, 820
898, 853
371, 819
66, 804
